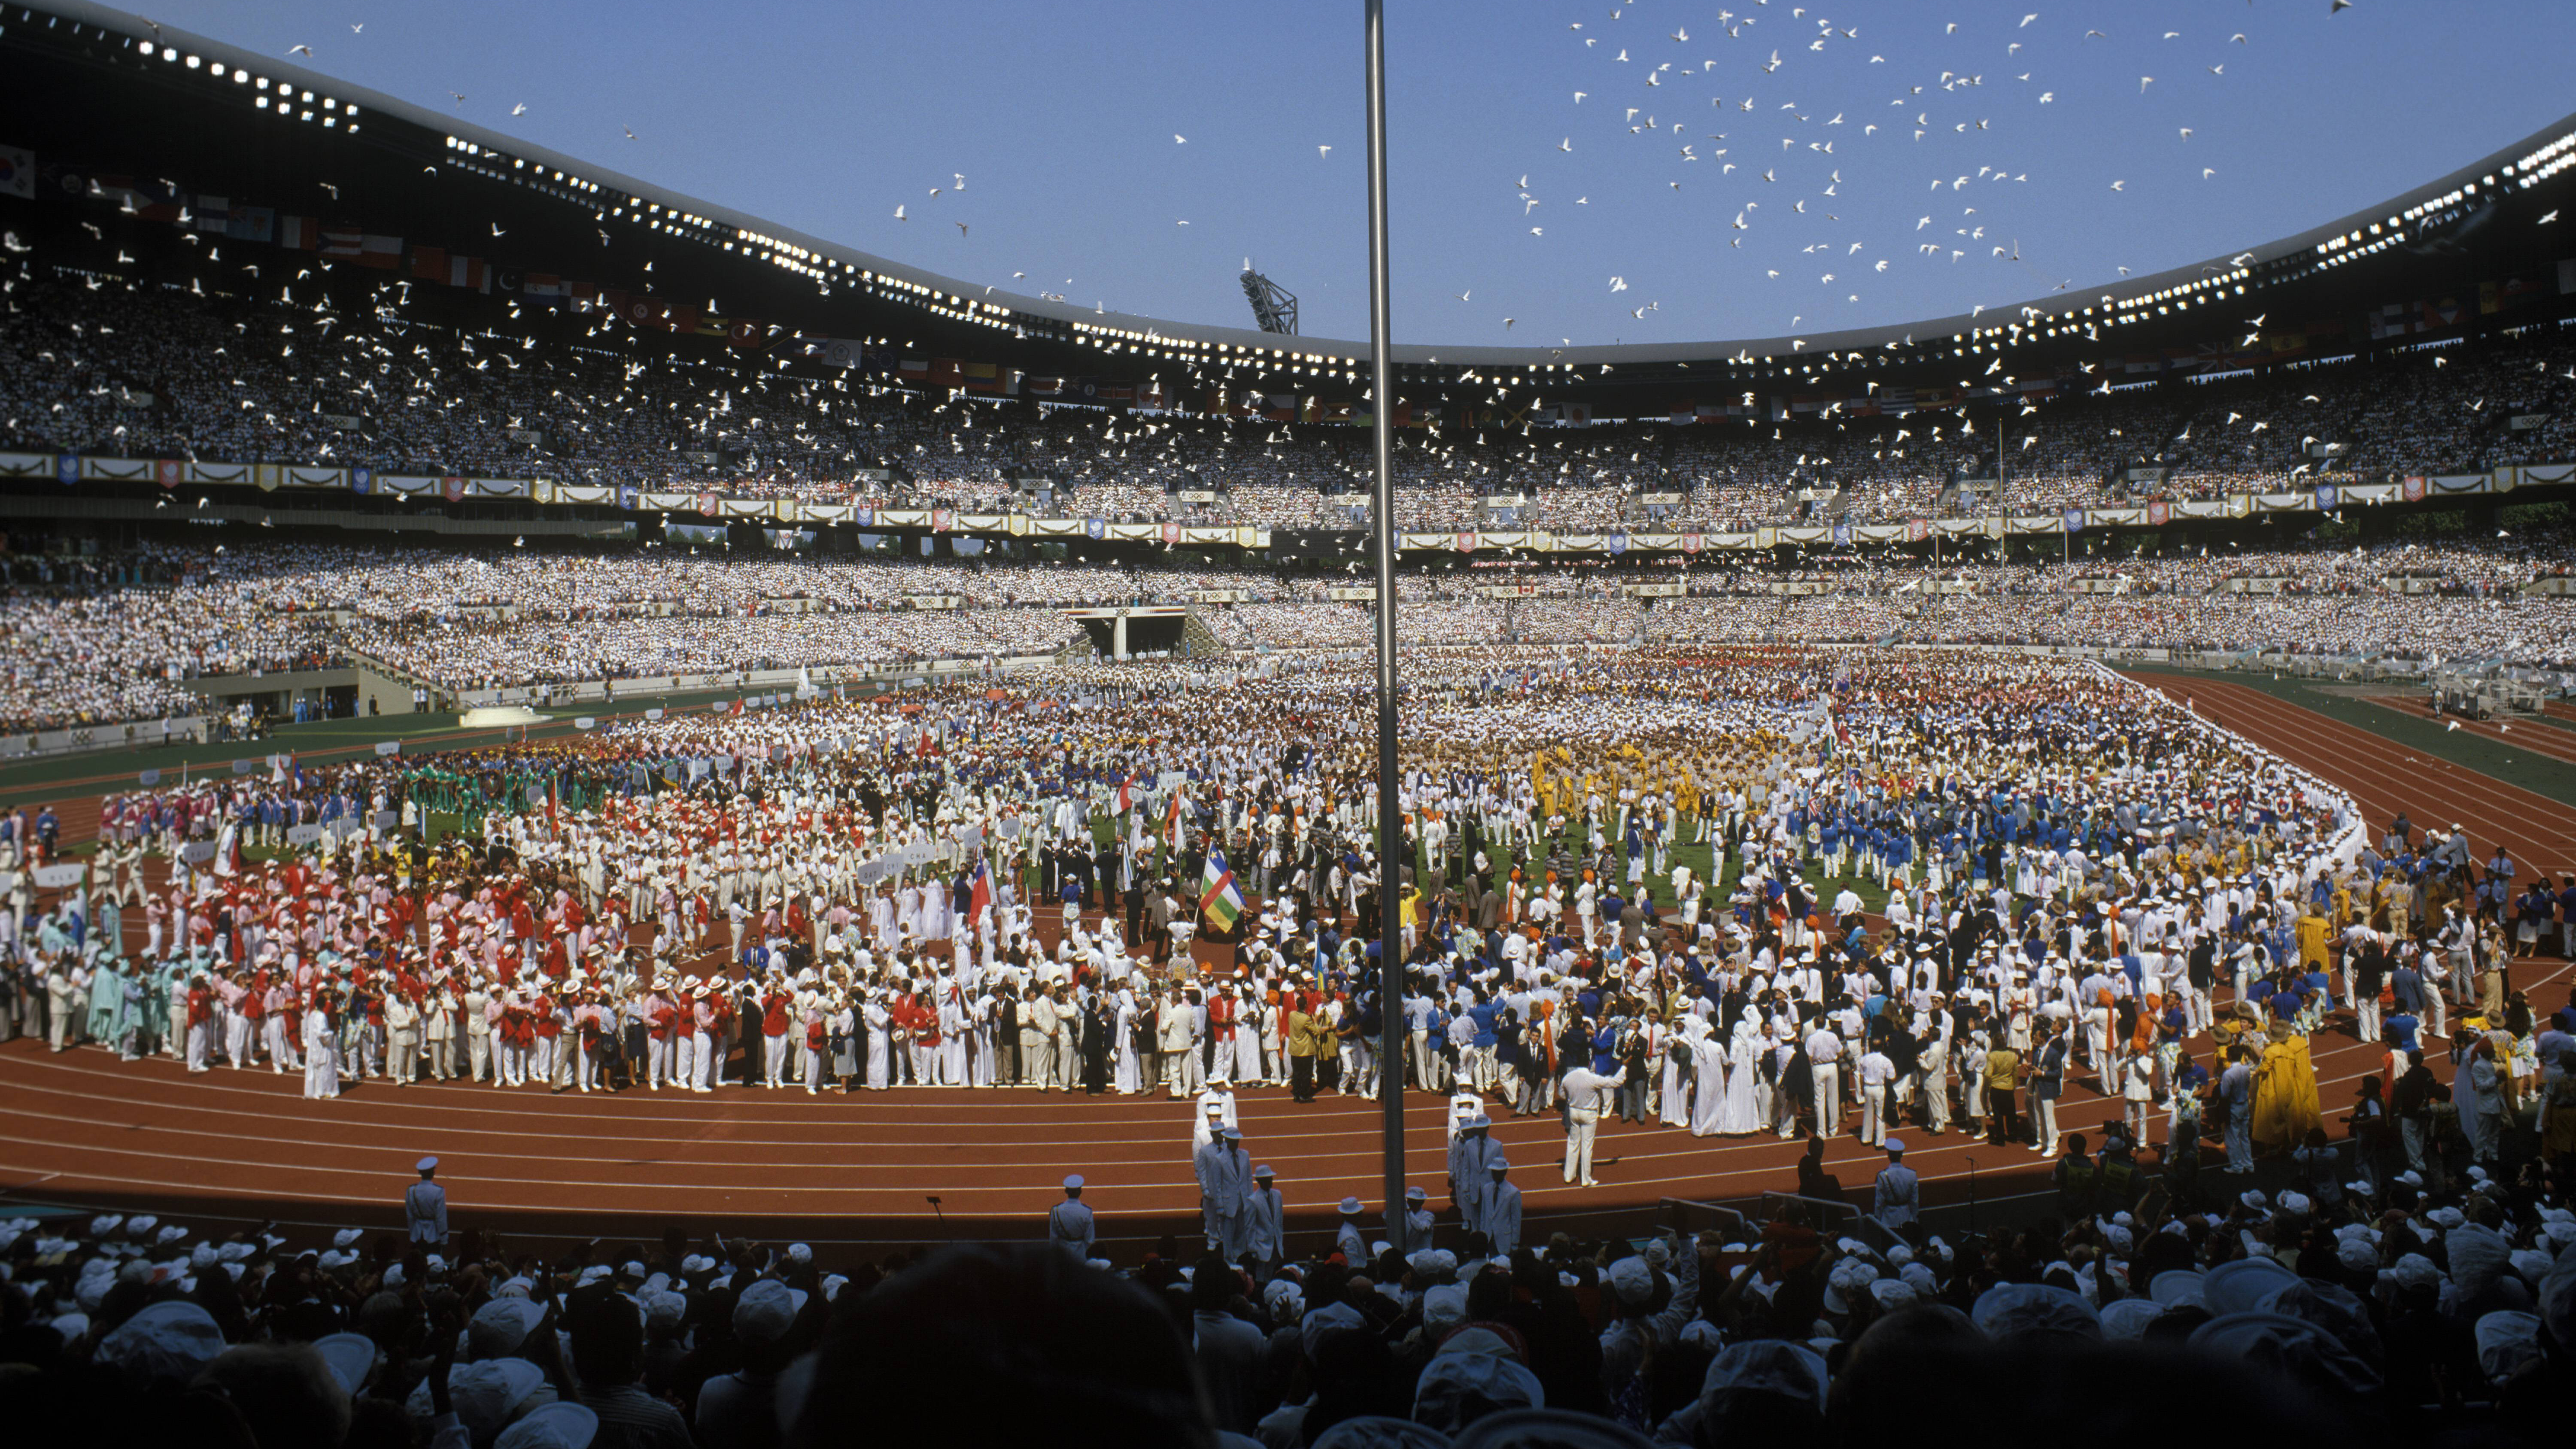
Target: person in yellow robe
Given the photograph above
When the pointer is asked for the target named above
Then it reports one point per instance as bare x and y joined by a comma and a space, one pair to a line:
2313, 933
2285, 1092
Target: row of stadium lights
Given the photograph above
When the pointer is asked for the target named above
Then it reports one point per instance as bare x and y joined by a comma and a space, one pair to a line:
671, 221
285, 103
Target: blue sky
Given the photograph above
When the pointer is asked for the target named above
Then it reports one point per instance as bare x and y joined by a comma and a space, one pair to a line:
1063, 121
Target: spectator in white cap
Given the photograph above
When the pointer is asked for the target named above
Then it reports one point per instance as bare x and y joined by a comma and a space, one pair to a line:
164, 1346
772, 1325
500, 1327
1459, 1387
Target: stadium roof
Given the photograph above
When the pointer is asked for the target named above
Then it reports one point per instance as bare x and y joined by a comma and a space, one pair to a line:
2429, 225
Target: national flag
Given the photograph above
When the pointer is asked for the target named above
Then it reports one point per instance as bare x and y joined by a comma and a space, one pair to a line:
981, 900
1172, 820
150, 200
652, 312
1219, 901
454, 269
236, 221
913, 369
947, 372
747, 335
365, 248
1126, 794
543, 284
554, 794
17, 172
834, 351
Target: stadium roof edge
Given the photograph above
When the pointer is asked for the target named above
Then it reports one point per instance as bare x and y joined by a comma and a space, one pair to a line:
1778, 349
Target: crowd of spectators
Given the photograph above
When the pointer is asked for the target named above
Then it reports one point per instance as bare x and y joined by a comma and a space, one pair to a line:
2378, 1314
117, 638
104, 366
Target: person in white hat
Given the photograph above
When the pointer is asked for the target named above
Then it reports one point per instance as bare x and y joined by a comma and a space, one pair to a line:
425, 1206
1225, 1185
1216, 1110
1502, 1209
1265, 1221
1898, 1196
1347, 1239
1069, 1223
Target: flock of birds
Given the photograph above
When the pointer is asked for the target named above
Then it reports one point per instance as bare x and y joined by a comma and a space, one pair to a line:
1807, 159
357, 350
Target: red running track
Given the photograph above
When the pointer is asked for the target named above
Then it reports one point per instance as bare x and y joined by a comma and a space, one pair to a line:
85, 1129
2386, 778
2539, 739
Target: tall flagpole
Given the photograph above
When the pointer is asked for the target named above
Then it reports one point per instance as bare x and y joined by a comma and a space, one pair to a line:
1390, 826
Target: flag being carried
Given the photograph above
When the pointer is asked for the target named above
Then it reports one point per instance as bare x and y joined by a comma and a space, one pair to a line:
1220, 904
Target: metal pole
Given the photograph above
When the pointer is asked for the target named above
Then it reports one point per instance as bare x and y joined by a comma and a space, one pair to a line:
1390, 828
2003, 529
